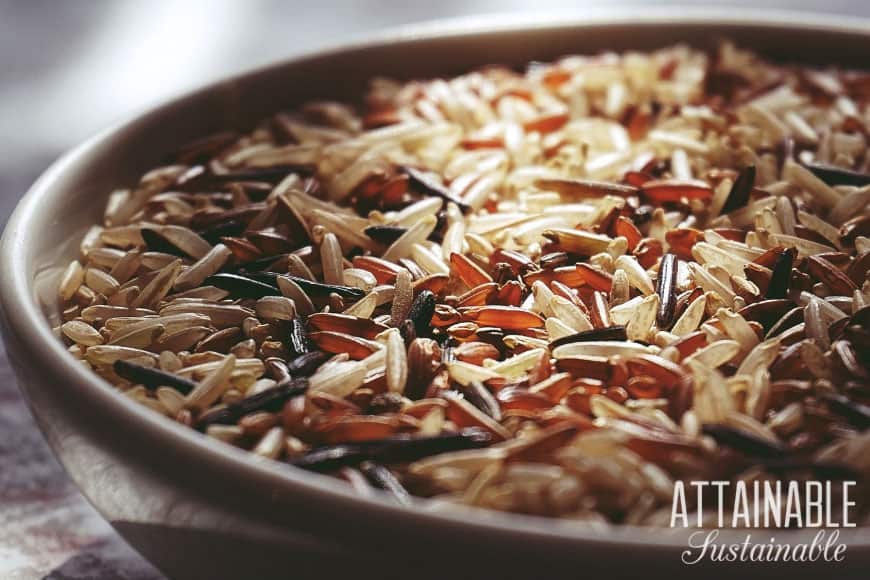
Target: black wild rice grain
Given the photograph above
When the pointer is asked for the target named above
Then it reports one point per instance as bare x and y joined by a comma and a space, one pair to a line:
492, 335
398, 449
382, 478
767, 312
784, 150
403, 448
666, 285
408, 331
251, 268
421, 313
313, 289
609, 333
739, 194
643, 214
553, 260
324, 459
385, 235
152, 377
833, 175
426, 185
229, 228
241, 286
437, 235
779, 280
385, 403
157, 243
271, 400
304, 365
862, 317
296, 337
503, 273
747, 443
479, 396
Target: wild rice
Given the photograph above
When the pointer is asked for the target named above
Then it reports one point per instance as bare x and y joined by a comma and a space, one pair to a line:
551, 292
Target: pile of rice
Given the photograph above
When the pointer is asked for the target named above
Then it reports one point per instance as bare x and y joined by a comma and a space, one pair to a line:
552, 292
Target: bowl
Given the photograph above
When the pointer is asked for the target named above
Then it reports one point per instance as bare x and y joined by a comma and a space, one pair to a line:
200, 509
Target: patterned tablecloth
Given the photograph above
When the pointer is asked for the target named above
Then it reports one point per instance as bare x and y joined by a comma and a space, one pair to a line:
47, 528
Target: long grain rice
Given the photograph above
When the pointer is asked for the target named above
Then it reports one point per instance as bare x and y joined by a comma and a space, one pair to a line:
552, 292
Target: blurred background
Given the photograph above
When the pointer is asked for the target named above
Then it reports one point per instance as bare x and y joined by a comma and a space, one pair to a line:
71, 67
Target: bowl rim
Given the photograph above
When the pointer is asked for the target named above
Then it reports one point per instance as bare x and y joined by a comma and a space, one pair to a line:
20, 309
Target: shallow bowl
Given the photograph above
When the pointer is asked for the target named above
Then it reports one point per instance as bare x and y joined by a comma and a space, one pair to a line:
200, 509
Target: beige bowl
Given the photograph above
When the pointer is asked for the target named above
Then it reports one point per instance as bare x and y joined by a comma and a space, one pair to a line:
200, 509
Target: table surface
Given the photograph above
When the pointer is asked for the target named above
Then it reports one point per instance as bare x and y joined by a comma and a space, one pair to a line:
46, 526
47, 529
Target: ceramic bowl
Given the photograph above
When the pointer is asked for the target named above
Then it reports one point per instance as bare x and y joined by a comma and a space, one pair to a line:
198, 508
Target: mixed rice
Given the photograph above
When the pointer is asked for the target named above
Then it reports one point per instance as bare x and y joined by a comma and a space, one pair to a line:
551, 292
